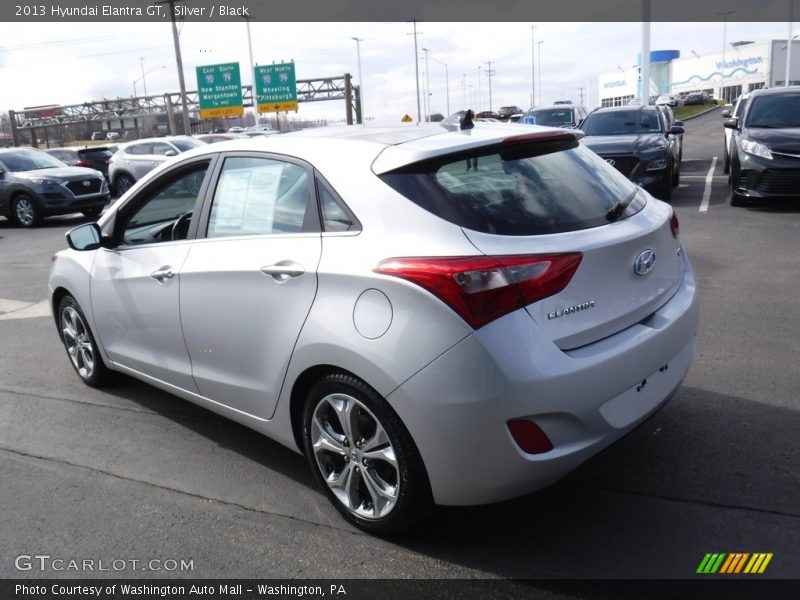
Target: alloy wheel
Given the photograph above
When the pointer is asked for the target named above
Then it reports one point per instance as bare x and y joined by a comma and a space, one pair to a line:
77, 341
25, 211
355, 456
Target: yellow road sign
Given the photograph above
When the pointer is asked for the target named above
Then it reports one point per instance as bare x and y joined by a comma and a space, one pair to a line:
407, 119
216, 113
277, 107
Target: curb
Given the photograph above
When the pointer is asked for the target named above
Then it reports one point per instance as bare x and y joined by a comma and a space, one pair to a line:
694, 116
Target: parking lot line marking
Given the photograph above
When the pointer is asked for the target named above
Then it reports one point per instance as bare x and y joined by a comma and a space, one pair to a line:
7, 306
707, 191
32, 311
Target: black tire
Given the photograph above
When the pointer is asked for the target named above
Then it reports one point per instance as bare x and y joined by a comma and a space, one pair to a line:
676, 176
726, 165
733, 179
25, 212
664, 189
123, 183
410, 499
80, 344
93, 212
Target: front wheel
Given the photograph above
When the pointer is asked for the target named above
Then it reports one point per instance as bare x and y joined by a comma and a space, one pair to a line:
363, 457
93, 212
80, 344
25, 212
123, 183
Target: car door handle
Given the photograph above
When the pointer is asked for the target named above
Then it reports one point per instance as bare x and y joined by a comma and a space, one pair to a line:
283, 270
163, 274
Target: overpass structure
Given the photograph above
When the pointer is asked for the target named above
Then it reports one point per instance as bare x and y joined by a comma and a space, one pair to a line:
169, 105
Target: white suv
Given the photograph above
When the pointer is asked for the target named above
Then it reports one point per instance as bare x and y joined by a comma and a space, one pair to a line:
134, 160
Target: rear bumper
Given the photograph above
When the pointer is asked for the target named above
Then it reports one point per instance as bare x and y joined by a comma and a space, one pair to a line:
457, 407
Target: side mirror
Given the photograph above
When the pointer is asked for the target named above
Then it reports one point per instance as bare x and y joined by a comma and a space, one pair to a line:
85, 237
170, 153
732, 123
678, 123
676, 130
726, 113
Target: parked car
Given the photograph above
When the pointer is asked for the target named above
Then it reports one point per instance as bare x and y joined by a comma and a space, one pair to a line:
133, 160
98, 135
563, 115
694, 98
35, 185
505, 112
669, 116
729, 140
639, 143
236, 129
212, 138
668, 100
112, 135
488, 114
765, 158
424, 334
93, 157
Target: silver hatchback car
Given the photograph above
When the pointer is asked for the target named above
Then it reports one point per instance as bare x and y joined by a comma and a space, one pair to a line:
431, 317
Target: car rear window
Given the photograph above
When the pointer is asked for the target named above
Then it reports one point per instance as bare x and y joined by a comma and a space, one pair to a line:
184, 144
621, 122
554, 117
519, 189
94, 153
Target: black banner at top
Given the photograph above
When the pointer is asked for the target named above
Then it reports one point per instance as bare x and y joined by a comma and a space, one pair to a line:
394, 10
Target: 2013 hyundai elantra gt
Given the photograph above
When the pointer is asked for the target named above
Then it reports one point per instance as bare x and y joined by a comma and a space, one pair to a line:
431, 317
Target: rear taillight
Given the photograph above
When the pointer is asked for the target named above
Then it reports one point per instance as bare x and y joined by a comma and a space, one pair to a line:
82, 163
483, 288
673, 225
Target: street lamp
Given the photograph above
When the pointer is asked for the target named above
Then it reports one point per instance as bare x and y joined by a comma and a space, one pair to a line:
247, 20
142, 78
533, 73
360, 79
789, 43
539, 45
427, 86
724, 43
446, 82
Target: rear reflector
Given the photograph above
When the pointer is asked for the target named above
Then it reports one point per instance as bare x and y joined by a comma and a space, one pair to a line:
673, 225
529, 437
483, 288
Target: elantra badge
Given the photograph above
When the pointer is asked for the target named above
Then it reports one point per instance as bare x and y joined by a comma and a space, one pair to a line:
644, 262
570, 310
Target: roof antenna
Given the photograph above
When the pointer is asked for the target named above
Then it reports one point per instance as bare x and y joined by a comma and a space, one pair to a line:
467, 120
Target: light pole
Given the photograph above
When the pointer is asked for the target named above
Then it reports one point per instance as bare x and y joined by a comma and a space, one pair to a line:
446, 82
533, 73
539, 47
416, 69
143, 79
724, 43
247, 20
479, 89
360, 80
489, 73
789, 44
427, 86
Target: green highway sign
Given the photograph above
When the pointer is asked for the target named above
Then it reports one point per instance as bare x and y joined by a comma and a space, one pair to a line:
276, 88
219, 91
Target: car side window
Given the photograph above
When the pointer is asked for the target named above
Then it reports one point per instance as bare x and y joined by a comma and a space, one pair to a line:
335, 216
161, 148
139, 149
166, 212
260, 196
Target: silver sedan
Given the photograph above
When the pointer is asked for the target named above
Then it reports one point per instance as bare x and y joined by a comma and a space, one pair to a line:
429, 316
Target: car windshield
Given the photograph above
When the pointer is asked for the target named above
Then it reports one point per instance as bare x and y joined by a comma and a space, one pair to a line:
29, 160
621, 122
774, 111
184, 144
554, 117
530, 189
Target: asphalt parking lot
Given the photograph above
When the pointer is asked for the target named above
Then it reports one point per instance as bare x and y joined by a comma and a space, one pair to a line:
134, 473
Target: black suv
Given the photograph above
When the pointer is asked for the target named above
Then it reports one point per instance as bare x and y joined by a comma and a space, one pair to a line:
34, 185
765, 157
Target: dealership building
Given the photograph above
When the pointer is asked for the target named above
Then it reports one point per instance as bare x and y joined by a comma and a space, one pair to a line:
747, 66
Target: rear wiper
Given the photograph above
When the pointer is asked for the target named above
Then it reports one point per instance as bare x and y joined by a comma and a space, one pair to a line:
615, 212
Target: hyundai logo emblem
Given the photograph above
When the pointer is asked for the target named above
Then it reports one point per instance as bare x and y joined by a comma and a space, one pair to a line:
644, 262
611, 161
86, 183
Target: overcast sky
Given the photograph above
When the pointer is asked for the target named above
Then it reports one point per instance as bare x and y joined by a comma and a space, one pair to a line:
47, 63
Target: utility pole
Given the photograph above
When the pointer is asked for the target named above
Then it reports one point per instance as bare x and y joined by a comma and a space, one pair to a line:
724, 16
252, 70
416, 69
427, 87
187, 128
489, 73
144, 81
580, 91
533, 73
789, 44
360, 80
479, 89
